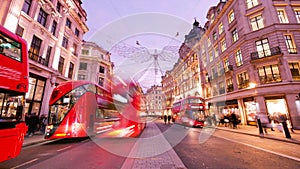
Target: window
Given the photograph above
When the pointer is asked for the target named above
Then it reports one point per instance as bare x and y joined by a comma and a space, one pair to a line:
269, 74
74, 50
101, 81
85, 52
235, 35
61, 64
221, 87
53, 28
230, 16
35, 48
263, 48
77, 32
223, 45
219, 69
226, 64
42, 18
58, 7
11, 49
48, 54
216, 51
229, 85
238, 58
212, 18
68, 23
208, 42
204, 60
295, 71
251, 3
221, 28
290, 44
101, 69
82, 66
243, 80
257, 22
65, 42
282, 16
81, 77
215, 36
26, 6
71, 68
297, 14
210, 54
20, 31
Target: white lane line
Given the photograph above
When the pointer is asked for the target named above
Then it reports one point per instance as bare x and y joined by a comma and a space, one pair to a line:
28, 162
269, 151
85, 140
63, 148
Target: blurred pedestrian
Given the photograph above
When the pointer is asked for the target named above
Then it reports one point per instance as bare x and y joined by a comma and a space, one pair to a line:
165, 119
32, 124
169, 118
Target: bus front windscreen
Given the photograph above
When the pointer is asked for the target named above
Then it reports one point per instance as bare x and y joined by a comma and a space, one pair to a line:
61, 107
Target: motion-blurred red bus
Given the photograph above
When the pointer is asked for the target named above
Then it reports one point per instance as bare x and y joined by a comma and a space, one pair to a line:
82, 109
127, 96
13, 87
190, 111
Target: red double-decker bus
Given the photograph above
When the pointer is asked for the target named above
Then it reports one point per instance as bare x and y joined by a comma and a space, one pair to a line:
82, 109
13, 87
190, 111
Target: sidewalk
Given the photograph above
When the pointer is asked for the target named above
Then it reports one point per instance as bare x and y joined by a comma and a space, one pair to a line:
38, 137
153, 151
275, 135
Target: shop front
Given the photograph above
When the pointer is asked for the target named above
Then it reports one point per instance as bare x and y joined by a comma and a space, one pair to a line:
251, 110
35, 93
276, 107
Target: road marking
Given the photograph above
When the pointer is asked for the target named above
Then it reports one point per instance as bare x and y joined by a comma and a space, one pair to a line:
259, 148
63, 148
28, 162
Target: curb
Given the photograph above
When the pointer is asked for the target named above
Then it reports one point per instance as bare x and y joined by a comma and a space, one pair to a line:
263, 136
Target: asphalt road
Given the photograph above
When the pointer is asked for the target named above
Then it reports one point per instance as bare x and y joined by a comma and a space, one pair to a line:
197, 148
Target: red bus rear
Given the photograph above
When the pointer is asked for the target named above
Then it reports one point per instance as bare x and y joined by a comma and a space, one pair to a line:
82, 109
13, 87
190, 111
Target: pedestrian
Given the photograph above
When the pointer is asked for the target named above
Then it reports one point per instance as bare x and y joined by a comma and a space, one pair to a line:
169, 118
270, 121
264, 121
165, 119
32, 124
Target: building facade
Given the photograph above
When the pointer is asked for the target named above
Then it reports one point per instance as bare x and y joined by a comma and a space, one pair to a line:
250, 58
53, 31
154, 100
95, 65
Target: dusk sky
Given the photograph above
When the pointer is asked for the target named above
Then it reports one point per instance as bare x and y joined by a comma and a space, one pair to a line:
133, 31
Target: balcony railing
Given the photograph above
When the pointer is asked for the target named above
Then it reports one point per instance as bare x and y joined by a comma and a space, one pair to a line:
230, 88
243, 84
296, 77
270, 79
228, 68
266, 53
39, 59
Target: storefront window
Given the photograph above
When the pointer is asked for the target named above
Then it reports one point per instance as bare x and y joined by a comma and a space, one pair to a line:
34, 96
250, 108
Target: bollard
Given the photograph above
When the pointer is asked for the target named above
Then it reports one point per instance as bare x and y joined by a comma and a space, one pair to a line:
286, 130
261, 132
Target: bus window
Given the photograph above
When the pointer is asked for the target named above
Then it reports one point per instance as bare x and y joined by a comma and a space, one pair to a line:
9, 105
10, 48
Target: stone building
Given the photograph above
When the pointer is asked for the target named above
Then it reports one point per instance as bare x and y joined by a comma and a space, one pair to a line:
54, 31
95, 65
249, 56
154, 100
